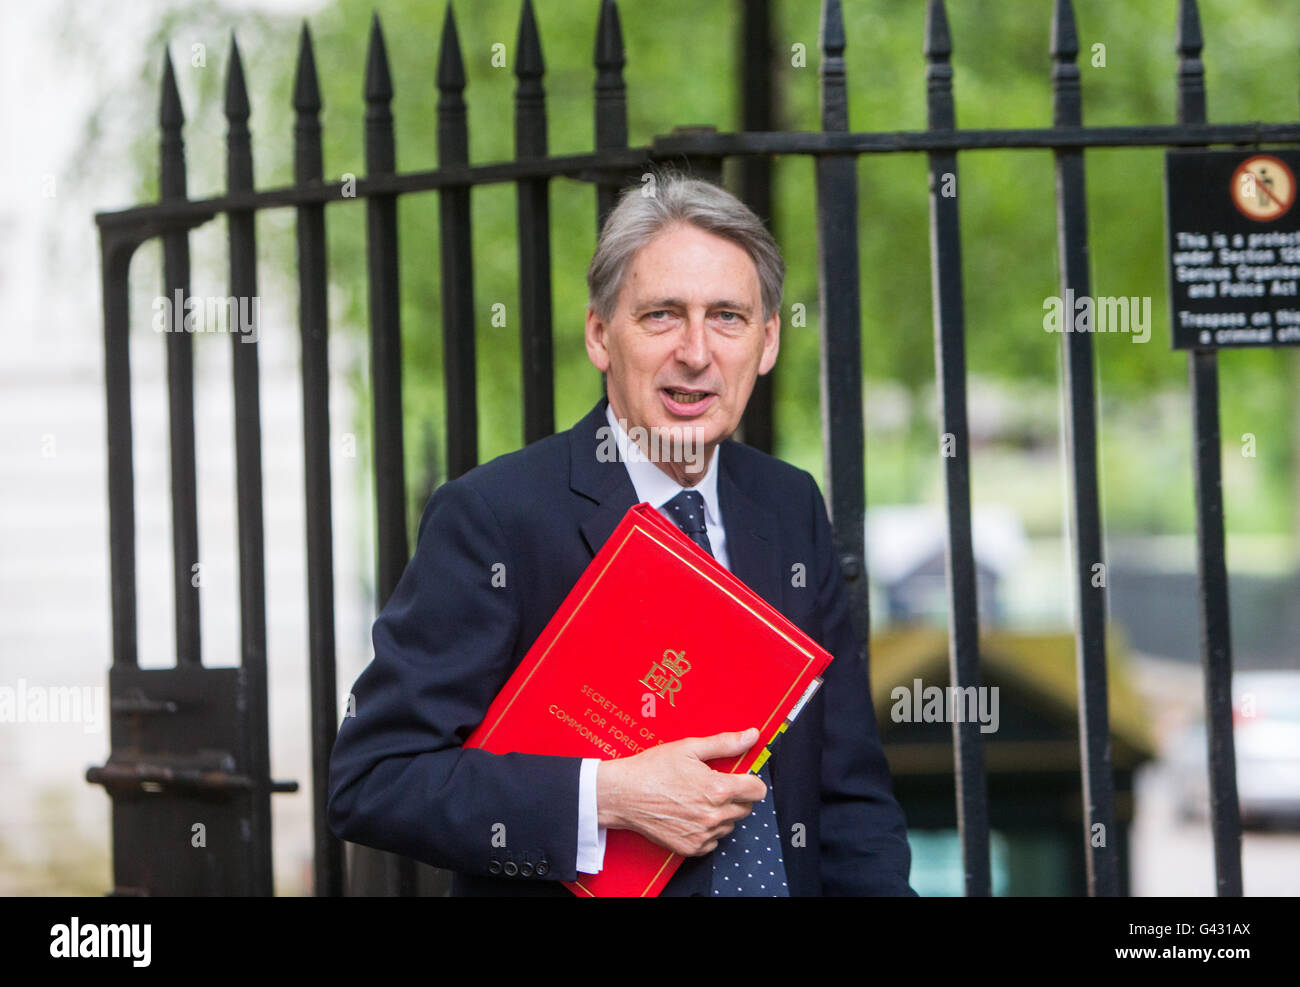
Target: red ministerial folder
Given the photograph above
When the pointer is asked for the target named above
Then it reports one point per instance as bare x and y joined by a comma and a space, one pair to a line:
656, 642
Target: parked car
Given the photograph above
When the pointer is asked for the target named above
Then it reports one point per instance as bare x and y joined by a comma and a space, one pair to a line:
1266, 737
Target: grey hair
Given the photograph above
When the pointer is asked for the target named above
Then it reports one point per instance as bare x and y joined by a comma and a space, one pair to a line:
667, 198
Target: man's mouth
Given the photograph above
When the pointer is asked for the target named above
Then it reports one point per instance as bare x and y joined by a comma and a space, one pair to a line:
686, 397
688, 402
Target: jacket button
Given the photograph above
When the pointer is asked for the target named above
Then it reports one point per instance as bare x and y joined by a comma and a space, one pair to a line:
543, 868
494, 866
526, 869
511, 868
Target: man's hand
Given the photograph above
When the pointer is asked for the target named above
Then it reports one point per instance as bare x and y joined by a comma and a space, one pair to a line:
670, 796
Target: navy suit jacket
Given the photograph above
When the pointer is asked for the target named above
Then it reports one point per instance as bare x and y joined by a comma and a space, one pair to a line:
451, 635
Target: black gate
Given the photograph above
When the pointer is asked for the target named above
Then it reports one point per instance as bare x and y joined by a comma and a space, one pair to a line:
189, 744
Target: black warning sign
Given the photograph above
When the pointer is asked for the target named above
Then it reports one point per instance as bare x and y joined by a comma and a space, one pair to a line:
1234, 248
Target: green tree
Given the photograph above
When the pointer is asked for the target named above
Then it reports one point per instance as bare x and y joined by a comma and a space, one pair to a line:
682, 67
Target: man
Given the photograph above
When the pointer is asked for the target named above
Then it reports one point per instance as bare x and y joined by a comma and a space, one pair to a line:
684, 291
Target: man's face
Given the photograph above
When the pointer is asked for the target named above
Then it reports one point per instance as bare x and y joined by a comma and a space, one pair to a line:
687, 339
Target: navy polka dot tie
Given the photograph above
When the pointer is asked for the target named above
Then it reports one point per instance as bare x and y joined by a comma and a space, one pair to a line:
747, 862
687, 512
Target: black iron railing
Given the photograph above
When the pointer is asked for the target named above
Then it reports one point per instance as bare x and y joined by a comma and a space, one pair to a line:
156, 713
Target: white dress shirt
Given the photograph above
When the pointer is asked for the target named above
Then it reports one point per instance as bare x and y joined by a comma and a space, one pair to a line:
652, 486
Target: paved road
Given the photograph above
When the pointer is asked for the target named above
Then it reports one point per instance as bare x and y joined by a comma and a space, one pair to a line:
1174, 857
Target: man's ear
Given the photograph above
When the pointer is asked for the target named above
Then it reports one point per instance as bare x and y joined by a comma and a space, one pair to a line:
594, 335
771, 343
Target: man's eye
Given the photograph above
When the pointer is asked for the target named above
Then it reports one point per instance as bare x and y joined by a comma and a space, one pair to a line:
731, 317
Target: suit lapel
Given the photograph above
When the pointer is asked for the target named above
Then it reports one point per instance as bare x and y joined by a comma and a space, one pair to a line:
753, 554
597, 473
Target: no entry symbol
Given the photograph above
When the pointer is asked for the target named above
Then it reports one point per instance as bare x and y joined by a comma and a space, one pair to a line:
1263, 188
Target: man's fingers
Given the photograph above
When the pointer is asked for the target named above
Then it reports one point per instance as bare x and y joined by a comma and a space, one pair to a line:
737, 788
725, 789
707, 848
721, 744
674, 798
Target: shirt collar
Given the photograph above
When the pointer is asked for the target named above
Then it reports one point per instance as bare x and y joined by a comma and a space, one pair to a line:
656, 487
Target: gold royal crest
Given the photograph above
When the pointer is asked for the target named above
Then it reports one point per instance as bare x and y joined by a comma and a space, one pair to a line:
665, 675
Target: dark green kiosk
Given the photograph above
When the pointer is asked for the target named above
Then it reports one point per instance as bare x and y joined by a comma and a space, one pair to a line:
1031, 750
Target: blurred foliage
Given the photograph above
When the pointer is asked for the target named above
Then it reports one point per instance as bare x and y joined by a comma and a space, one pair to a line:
683, 58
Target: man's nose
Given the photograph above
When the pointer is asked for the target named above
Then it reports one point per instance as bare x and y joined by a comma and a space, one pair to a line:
693, 344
